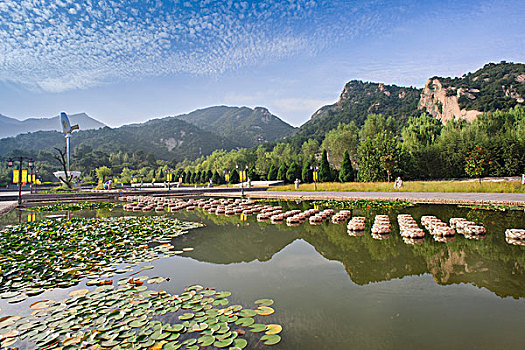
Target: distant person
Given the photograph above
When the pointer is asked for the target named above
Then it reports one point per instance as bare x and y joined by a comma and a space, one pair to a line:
210, 184
297, 182
398, 183
249, 183
523, 179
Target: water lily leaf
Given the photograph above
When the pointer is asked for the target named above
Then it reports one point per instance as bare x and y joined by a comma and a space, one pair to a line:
186, 316
223, 343
9, 295
245, 321
258, 327
17, 299
156, 280
247, 313
273, 329
78, 292
264, 302
148, 267
206, 340
172, 346
224, 294
189, 249
42, 304
240, 343
190, 341
265, 310
270, 339
218, 302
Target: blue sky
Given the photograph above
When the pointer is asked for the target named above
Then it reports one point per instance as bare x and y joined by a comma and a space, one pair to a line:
129, 61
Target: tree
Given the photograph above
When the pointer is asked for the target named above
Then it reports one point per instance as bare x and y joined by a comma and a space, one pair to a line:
209, 175
272, 173
102, 173
281, 173
346, 174
309, 148
325, 173
477, 162
61, 157
203, 177
379, 157
339, 140
306, 173
293, 172
216, 178
234, 176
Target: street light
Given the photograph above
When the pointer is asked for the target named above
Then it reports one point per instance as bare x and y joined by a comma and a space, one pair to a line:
243, 178
30, 163
315, 175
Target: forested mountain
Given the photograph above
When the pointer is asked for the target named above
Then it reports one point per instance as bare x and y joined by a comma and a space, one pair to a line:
496, 86
245, 126
169, 139
13, 127
356, 102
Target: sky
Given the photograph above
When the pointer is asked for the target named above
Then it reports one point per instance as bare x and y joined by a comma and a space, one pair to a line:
130, 61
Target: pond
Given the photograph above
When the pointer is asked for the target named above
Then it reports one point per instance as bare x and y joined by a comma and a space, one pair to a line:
336, 291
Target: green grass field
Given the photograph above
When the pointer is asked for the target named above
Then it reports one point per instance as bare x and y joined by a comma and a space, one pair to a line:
413, 186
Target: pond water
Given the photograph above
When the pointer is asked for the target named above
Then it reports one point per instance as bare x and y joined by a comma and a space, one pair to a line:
335, 291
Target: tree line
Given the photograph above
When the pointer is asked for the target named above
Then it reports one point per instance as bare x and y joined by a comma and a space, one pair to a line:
382, 149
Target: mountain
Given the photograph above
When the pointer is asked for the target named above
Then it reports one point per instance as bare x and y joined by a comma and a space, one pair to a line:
13, 127
168, 138
357, 100
245, 126
496, 86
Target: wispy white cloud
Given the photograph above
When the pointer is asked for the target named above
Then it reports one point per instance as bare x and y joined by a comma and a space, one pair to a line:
59, 45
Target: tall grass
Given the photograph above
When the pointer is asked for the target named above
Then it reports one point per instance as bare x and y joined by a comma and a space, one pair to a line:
413, 186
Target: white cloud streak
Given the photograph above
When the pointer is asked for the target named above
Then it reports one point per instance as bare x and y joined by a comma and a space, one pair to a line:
62, 45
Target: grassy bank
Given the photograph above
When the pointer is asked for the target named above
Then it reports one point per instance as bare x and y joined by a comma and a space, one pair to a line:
413, 186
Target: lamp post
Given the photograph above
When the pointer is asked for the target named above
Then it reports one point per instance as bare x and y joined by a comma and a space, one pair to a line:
242, 177
30, 163
315, 175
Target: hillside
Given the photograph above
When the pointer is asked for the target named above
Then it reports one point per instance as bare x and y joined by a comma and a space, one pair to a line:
498, 86
165, 138
13, 127
245, 126
357, 100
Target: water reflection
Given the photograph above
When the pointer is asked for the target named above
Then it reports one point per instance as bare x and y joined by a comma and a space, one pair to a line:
490, 263
484, 261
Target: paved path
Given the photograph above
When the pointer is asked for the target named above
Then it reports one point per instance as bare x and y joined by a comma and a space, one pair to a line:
6, 206
416, 197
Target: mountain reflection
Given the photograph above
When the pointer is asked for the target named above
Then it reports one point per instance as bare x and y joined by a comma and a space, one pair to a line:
490, 263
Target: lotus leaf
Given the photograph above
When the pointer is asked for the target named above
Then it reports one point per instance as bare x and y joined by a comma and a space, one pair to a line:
271, 339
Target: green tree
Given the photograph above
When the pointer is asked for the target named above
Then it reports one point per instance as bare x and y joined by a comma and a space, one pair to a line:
234, 176
346, 174
216, 178
325, 172
306, 173
379, 157
293, 172
272, 173
102, 173
338, 141
281, 173
477, 162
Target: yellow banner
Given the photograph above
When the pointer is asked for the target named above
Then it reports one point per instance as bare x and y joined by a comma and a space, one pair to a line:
227, 177
16, 176
180, 180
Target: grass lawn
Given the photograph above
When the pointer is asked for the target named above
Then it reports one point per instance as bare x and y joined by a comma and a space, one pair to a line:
413, 186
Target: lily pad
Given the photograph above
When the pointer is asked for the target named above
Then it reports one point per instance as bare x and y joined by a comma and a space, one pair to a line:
270, 339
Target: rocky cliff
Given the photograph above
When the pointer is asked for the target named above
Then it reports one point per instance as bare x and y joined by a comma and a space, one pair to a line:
438, 102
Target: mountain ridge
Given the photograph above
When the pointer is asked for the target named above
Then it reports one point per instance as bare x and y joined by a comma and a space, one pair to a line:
13, 126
